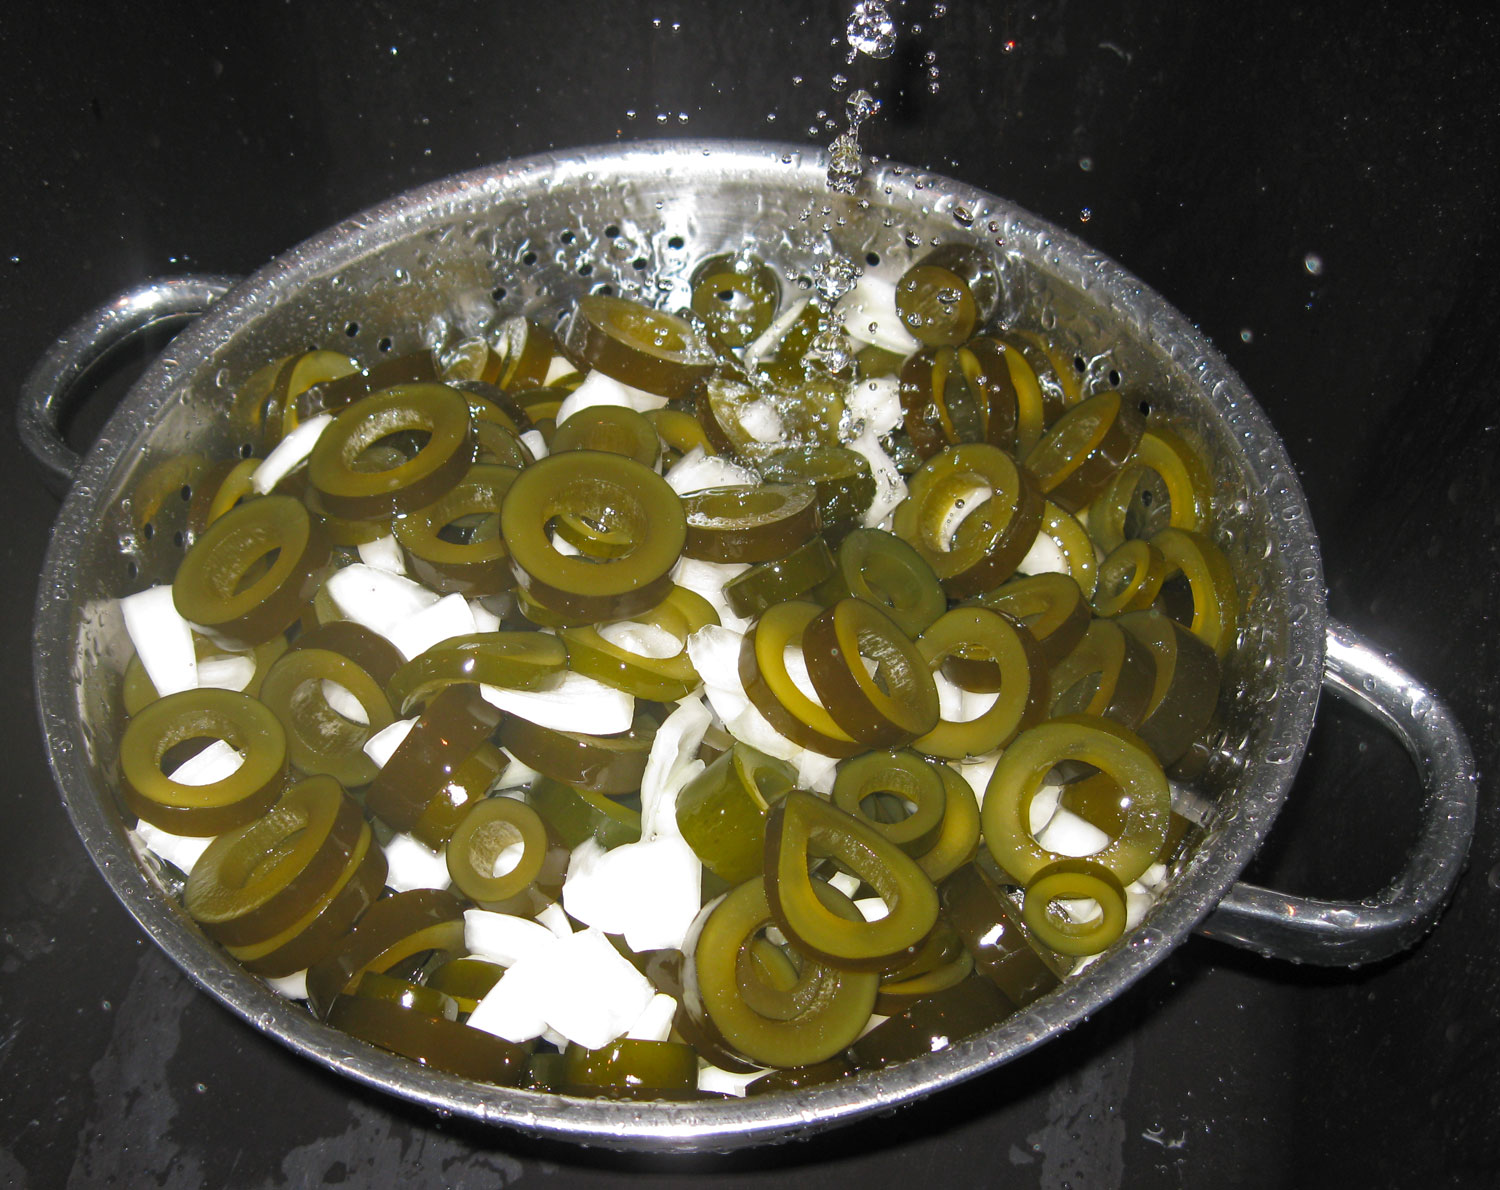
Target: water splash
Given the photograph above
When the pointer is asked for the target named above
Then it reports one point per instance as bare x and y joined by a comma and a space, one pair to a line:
871, 30
846, 160
834, 277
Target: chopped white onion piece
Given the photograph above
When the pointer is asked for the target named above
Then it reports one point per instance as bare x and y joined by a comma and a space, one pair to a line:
774, 333
965, 501
697, 470
796, 669
760, 420
381, 746
978, 772
384, 553
411, 864
644, 640
1044, 557
293, 986
597, 994
208, 765
1068, 834
1154, 877
649, 891
715, 651
448, 617
163, 640
1138, 901
513, 1008
505, 938
673, 762
181, 851
877, 403
556, 920
558, 367
869, 314
515, 774
484, 619
655, 1023
228, 672
1081, 909
574, 701
846, 882
707, 579
339, 699
377, 599
871, 908
890, 488
535, 443
507, 859
726, 1082
580, 986
599, 389
1043, 806
287, 454
957, 705
814, 770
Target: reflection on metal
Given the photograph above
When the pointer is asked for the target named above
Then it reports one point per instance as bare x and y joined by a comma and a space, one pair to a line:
48, 390
1347, 933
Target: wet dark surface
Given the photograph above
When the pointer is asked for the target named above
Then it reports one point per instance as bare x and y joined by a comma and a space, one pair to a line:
1317, 191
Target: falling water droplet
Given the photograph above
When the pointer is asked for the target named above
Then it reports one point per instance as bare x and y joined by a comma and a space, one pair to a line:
871, 30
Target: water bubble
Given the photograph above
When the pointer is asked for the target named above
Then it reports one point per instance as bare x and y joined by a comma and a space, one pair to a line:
1085, 215
860, 106
839, 82
1246, 335
830, 351
963, 216
1313, 263
834, 278
870, 29
1085, 164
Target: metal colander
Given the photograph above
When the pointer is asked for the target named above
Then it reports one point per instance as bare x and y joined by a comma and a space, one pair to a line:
531, 236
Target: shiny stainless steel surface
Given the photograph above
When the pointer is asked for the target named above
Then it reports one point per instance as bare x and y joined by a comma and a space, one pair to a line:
449, 257
1345, 933
88, 344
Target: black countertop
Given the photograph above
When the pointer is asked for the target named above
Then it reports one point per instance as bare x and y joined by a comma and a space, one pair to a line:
1315, 186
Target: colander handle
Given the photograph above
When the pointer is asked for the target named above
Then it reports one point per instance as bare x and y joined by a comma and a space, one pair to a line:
56, 381
1347, 933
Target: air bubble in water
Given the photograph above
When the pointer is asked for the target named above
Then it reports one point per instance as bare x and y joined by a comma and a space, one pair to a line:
870, 30
1313, 263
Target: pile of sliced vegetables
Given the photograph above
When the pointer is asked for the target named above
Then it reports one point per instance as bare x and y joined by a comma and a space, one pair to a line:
698, 704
